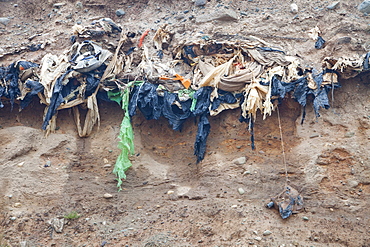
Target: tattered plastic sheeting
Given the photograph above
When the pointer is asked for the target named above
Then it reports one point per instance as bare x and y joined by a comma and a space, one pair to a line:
347, 67
194, 79
87, 56
98, 28
10, 80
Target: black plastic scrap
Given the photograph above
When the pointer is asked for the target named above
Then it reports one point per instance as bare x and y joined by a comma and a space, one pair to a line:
287, 202
146, 98
35, 87
204, 128
153, 106
10, 76
56, 99
366, 61
223, 97
320, 42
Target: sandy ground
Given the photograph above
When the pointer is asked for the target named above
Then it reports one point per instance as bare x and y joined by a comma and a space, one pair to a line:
168, 199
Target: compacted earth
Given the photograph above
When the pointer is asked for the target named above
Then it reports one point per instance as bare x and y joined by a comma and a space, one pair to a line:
59, 190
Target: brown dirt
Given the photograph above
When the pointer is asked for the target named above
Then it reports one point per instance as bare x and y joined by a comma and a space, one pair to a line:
328, 157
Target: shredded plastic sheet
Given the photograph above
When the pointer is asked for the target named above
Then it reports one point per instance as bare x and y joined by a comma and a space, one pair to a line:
126, 137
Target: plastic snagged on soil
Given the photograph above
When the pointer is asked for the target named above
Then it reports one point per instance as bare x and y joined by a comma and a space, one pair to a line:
192, 79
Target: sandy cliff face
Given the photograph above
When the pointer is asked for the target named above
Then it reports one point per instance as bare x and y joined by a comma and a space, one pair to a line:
168, 199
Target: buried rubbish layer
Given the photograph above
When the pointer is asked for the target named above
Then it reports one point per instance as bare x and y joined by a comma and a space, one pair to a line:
178, 80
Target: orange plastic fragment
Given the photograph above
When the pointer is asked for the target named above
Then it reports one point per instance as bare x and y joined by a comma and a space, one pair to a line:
185, 82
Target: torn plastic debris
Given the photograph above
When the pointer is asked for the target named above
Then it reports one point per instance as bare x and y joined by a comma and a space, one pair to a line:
287, 202
97, 28
10, 80
314, 34
320, 42
88, 56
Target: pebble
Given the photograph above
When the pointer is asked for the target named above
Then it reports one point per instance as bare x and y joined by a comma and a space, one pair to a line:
266, 233
120, 12
258, 238
13, 218
48, 163
17, 205
241, 191
364, 7
58, 5
107, 166
234, 206
353, 183
15, 5
10, 196
334, 5
240, 161
108, 196
4, 20
305, 218
170, 192
79, 5
200, 2
294, 8
21, 164
246, 172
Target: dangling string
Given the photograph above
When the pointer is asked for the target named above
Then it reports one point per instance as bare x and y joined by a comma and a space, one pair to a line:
282, 148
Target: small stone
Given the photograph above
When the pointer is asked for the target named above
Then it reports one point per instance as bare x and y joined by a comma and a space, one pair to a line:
255, 232
170, 192
17, 205
353, 183
266, 233
48, 163
58, 5
13, 218
21, 164
234, 206
4, 20
331, 209
364, 7
261, 152
106, 161
79, 5
246, 172
158, 206
305, 218
258, 238
24, 244
240, 161
200, 2
241, 191
108, 196
10, 196
139, 207
334, 5
107, 166
294, 8
15, 5
238, 147
349, 134
120, 12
